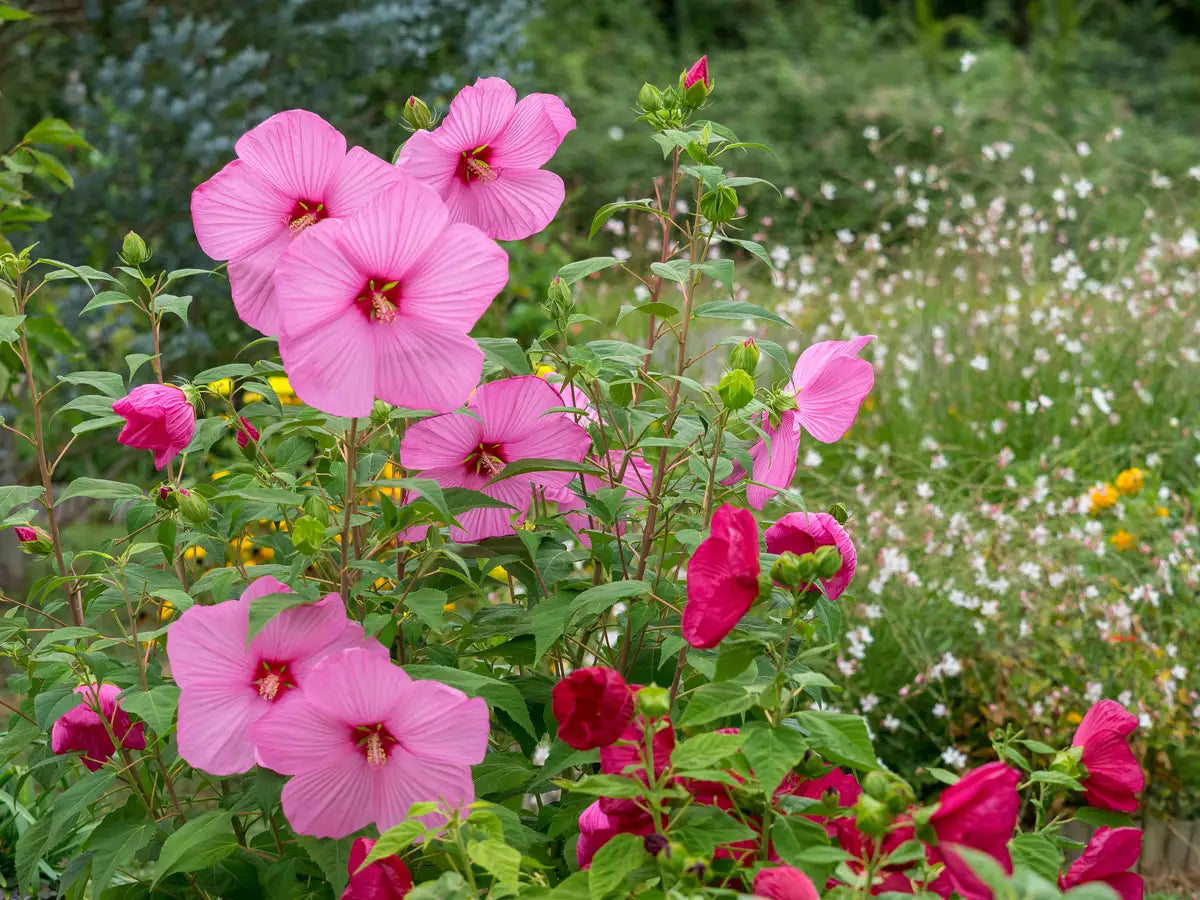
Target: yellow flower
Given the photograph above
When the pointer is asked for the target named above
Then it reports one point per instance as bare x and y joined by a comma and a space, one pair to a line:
166, 611
1074, 718
384, 584
196, 554
1162, 512
251, 554
544, 371
390, 471
222, 387
221, 474
499, 573
1103, 497
1131, 481
1123, 540
282, 388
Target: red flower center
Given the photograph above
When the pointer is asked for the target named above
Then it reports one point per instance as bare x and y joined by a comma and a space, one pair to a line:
304, 214
374, 741
274, 680
486, 459
380, 301
475, 165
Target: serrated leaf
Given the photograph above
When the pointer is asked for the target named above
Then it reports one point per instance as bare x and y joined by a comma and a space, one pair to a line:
428, 605
612, 864
677, 270
265, 608
839, 737
113, 844
736, 309
715, 701
9, 326
576, 271
596, 600
156, 707
498, 859
702, 828
100, 489
1058, 779
14, 496
331, 856
1037, 853
772, 752
76, 798
704, 751
56, 132
197, 844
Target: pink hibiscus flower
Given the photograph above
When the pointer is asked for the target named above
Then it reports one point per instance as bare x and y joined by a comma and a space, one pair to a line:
784, 883
226, 685
597, 828
1109, 855
83, 727
379, 305
364, 742
829, 383
802, 533
979, 812
485, 159
1114, 777
385, 879
158, 417
292, 173
722, 578
508, 420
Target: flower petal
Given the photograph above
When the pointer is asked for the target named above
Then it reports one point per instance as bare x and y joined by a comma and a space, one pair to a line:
829, 404
214, 722
436, 721
478, 114
478, 524
812, 360
297, 736
357, 687
236, 212
332, 368
537, 128
424, 158
421, 365
390, 234
775, 466
514, 408
333, 801
514, 205
315, 282
252, 284
360, 178
456, 279
440, 442
296, 151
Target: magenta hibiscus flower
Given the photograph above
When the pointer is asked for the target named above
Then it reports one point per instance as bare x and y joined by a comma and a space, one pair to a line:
802, 533
83, 727
365, 742
485, 160
1113, 777
1109, 856
507, 421
292, 173
829, 383
978, 812
159, 418
226, 685
722, 578
379, 305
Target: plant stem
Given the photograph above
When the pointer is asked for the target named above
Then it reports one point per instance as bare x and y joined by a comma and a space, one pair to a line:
348, 505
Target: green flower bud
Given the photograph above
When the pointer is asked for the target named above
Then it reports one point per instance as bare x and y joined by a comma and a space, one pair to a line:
876, 784
8, 300
380, 413
786, 570
166, 497
871, 816
813, 766
839, 513
193, 507
134, 251
192, 394
650, 98
308, 534
315, 508
560, 300
828, 561
719, 205
33, 541
745, 356
654, 701
417, 114
736, 389
1069, 762
697, 94
900, 796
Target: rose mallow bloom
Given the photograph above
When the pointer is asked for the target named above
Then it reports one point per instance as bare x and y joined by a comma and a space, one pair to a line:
829, 384
385, 879
978, 812
159, 418
227, 685
292, 174
364, 742
379, 305
597, 828
802, 533
593, 707
698, 72
722, 578
246, 432
83, 727
1114, 777
485, 159
784, 883
508, 420
1109, 855
25, 533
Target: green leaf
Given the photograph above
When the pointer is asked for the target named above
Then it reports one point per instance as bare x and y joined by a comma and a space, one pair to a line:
606, 211
1038, 747
839, 737
14, 496
772, 752
792, 835
498, 859
736, 309
113, 844
106, 298
395, 840
573, 272
229, 370
612, 865
1037, 853
51, 165
265, 608
506, 353
176, 274
109, 383
1058, 779
754, 247
596, 599
621, 787
988, 870
497, 693
31, 847
701, 828
721, 270
503, 773
704, 751
677, 270
715, 701
257, 494
525, 466
332, 857
156, 707
8, 328
428, 605
548, 622
945, 776
169, 303
12, 14
99, 489
1103, 817
75, 799
57, 132
197, 844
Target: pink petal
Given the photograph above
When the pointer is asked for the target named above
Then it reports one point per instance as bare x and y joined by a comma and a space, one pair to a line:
813, 359
214, 722
456, 279
333, 368
775, 466
829, 404
420, 365
407, 779
295, 151
389, 235
360, 178
235, 212
304, 634
537, 128
357, 687
516, 204
436, 721
315, 282
715, 608
424, 158
206, 646
514, 408
478, 524
558, 438
252, 284
1111, 851
478, 114
260, 587
333, 801
298, 737
440, 442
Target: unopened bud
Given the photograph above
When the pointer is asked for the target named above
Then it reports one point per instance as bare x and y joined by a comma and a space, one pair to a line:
719, 205
812, 765
839, 513
697, 74
192, 394
193, 507
656, 844
745, 356
134, 251
315, 507
34, 541
417, 114
380, 413
871, 816
308, 534
736, 389
650, 98
794, 571
1070, 763
876, 784
167, 497
828, 561
900, 796
247, 434
654, 701
559, 299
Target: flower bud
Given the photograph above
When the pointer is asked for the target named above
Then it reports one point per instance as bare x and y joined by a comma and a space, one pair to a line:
736, 389
650, 98
871, 816
876, 784
745, 356
380, 413
34, 541
193, 507
247, 434
697, 74
134, 251
654, 701
828, 561
417, 114
793, 571
559, 299
900, 796
719, 205
1070, 763
308, 534
167, 497
656, 844
839, 513
315, 508
813, 767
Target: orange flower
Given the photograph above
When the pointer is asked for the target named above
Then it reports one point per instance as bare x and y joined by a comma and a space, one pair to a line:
1123, 540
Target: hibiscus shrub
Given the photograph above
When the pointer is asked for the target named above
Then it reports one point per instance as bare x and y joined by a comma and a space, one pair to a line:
414, 612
